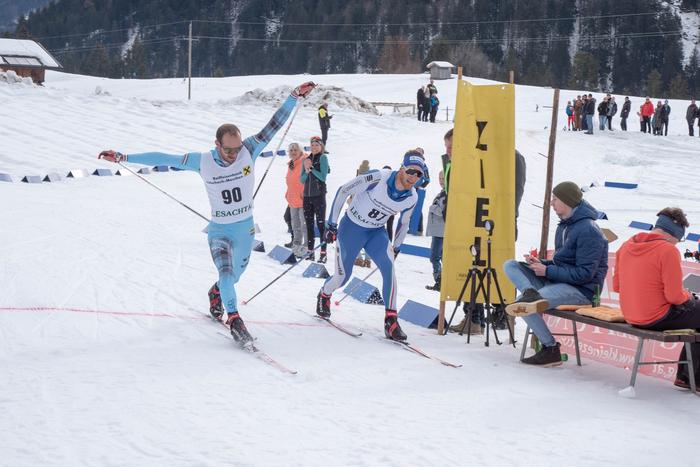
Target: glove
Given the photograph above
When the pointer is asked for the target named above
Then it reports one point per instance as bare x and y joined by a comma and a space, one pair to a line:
331, 233
304, 89
112, 156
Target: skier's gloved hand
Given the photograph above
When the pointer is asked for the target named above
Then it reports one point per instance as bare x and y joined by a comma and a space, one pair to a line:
304, 89
112, 156
331, 233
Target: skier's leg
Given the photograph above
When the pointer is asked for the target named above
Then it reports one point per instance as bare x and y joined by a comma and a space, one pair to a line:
230, 247
351, 239
380, 250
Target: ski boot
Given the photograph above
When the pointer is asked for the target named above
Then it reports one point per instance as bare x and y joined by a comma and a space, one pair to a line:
239, 331
215, 308
392, 330
323, 305
322, 256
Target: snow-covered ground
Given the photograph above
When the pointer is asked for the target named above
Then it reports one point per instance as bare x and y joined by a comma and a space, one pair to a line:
106, 358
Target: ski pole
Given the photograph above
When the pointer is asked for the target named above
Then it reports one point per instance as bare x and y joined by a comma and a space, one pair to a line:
274, 154
163, 191
245, 302
337, 302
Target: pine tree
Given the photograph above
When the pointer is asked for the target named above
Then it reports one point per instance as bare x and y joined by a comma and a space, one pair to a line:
654, 84
678, 89
584, 72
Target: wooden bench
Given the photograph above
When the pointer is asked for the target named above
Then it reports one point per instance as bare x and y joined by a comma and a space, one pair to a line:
641, 334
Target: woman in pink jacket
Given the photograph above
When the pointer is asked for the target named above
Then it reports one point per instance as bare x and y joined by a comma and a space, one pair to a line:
295, 199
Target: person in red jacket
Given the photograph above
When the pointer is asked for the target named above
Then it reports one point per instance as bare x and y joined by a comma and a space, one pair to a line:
647, 112
649, 279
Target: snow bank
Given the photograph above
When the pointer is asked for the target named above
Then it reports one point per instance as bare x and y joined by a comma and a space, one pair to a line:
11, 77
334, 96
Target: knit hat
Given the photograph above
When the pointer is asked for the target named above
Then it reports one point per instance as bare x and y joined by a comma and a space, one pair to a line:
670, 226
568, 193
414, 158
319, 140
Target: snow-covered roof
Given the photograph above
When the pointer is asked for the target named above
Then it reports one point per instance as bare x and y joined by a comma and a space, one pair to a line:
25, 52
440, 64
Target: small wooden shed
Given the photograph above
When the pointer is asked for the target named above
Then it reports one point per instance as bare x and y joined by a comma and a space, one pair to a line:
26, 58
440, 70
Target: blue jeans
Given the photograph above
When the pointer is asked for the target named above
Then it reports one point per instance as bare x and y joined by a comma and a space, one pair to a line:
556, 293
601, 120
589, 123
436, 256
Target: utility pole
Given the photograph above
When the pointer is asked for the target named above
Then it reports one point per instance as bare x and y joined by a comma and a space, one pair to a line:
189, 66
550, 175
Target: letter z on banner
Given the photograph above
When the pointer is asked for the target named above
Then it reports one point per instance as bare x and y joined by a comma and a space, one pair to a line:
481, 186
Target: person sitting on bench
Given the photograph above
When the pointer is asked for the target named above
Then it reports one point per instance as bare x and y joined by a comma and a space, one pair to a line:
649, 279
573, 275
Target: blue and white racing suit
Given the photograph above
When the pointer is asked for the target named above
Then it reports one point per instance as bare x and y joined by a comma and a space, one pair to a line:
374, 200
230, 189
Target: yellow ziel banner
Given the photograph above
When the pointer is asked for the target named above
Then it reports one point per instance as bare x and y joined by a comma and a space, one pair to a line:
481, 188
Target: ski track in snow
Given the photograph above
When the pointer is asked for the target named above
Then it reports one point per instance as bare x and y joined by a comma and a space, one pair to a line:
122, 368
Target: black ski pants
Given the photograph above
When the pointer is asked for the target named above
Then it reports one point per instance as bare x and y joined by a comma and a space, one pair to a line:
623, 123
683, 316
314, 215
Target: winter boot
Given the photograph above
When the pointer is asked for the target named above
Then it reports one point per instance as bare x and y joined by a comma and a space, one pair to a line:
461, 326
547, 356
323, 305
215, 307
392, 330
238, 330
435, 286
530, 302
322, 256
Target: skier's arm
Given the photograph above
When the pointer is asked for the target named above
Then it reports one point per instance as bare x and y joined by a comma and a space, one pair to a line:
255, 144
402, 227
364, 182
188, 161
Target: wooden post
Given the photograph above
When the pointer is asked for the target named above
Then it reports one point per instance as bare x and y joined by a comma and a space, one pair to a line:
459, 73
441, 319
550, 172
189, 66
512, 76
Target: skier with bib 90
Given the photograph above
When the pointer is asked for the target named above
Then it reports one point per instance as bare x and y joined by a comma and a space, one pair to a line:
376, 196
228, 172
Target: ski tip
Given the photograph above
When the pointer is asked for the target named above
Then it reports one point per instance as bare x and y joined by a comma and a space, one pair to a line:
244, 302
337, 303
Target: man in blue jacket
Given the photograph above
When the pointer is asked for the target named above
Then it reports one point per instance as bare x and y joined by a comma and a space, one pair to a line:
574, 275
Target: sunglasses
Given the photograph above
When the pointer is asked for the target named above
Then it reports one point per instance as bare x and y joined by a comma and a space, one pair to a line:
414, 172
231, 151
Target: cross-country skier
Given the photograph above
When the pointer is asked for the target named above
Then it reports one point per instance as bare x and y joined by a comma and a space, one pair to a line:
228, 172
376, 196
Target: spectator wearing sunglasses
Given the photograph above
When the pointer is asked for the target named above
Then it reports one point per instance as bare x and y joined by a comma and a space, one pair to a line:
377, 195
228, 172
313, 176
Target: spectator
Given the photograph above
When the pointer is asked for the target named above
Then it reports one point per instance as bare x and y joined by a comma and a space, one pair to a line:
690, 115
603, 113
612, 111
324, 120
313, 176
626, 107
570, 120
584, 106
419, 102
426, 103
590, 111
432, 89
295, 199
656, 118
573, 276
434, 104
647, 110
436, 229
578, 106
649, 279
664, 115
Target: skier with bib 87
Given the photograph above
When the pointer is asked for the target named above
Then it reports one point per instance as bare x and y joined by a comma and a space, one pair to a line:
228, 173
376, 196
